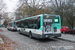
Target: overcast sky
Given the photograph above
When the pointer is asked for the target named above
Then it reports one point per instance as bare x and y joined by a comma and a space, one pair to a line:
11, 5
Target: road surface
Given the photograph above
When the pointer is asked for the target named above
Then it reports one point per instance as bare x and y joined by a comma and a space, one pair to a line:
25, 43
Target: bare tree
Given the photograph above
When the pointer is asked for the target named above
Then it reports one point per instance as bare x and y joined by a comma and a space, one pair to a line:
65, 9
69, 11
33, 7
2, 6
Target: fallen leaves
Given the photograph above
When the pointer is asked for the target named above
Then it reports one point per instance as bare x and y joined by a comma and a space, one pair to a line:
7, 43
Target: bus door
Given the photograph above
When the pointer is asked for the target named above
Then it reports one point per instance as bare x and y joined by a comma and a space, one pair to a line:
47, 26
22, 27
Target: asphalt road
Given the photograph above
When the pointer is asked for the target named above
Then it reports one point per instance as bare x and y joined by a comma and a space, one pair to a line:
25, 43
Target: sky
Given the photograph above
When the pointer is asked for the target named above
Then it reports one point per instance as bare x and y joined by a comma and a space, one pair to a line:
11, 5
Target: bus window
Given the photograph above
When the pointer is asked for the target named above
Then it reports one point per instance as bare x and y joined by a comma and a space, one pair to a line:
34, 23
38, 24
22, 25
18, 24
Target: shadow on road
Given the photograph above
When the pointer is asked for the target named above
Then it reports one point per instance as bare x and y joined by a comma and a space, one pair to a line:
41, 40
46, 40
12, 30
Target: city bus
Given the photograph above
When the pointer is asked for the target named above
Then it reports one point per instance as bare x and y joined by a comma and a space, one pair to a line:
40, 26
12, 26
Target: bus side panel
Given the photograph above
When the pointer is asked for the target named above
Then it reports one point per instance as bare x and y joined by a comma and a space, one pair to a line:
35, 31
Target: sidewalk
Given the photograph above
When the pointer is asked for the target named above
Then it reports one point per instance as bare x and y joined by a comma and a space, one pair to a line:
68, 37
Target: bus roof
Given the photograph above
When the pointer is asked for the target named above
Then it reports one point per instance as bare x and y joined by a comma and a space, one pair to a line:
35, 16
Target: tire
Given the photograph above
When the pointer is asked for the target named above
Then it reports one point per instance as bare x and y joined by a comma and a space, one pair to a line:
69, 32
63, 31
7, 29
19, 32
30, 35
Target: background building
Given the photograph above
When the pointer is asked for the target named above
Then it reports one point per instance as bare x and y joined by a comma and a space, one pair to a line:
11, 16
0, 19
8, 16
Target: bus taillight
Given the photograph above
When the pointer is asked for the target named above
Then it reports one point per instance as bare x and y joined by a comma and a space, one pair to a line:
13, 27
60, 30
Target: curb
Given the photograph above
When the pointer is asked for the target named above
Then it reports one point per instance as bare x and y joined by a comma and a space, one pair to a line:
66, 40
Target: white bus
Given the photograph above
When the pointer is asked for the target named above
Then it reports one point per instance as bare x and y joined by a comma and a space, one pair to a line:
40, 26
12, 26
